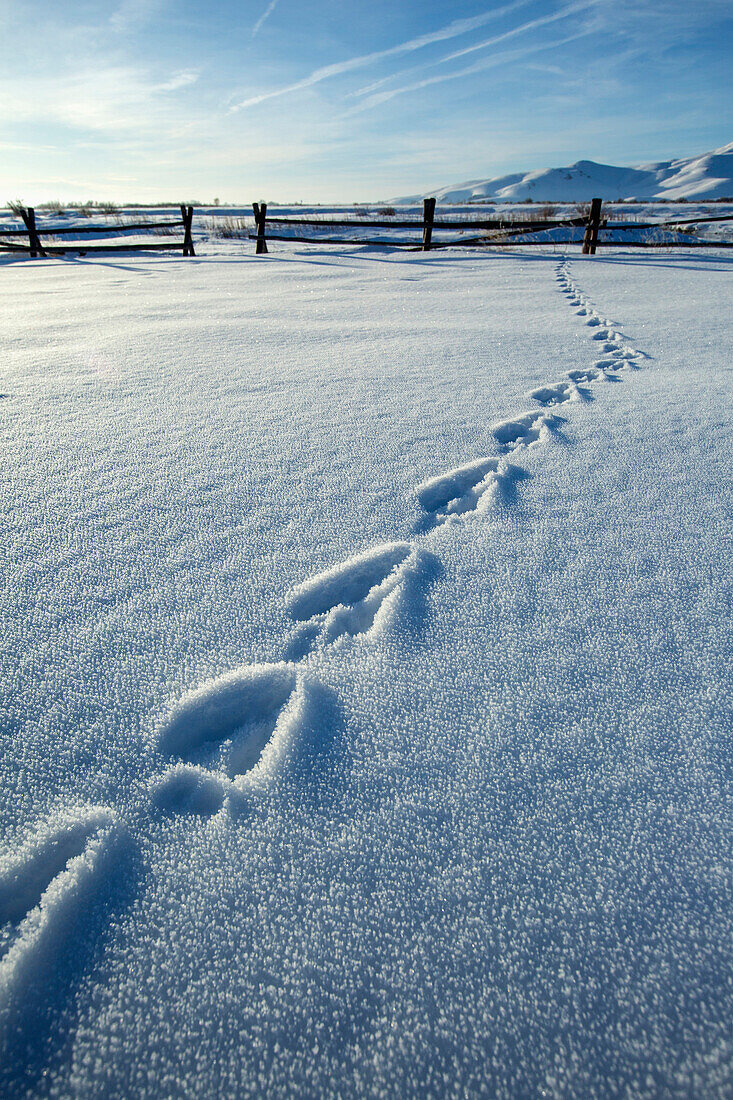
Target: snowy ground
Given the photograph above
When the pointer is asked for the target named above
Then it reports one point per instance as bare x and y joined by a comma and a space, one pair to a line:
366, 703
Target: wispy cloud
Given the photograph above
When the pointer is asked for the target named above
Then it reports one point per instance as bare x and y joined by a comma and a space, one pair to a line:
106, 99
265, 15
503, 58
451, 30
179, 80
514, 32
531, 25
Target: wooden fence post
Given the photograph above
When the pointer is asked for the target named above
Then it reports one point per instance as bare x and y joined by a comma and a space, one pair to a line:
590, 240
29, 217
260, 210
187, 215
428, 213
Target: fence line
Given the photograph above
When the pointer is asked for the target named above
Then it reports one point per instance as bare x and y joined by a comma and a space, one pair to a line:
592, 225
596, 230
36, 248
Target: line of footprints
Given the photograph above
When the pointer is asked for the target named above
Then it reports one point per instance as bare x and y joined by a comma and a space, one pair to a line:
227, 739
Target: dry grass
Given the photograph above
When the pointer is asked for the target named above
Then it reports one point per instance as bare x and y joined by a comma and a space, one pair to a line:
227, 228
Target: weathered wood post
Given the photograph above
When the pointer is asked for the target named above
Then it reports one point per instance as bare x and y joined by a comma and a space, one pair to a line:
260, 210
428, 214
187, 215
590, 240
29, 217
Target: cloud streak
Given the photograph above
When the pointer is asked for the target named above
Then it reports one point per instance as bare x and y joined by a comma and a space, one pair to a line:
524, 28
479, 66
451, 30
265, 15
533, 24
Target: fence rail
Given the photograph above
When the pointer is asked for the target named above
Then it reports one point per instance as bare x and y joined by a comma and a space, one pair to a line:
598, 232
35, 247
593, 225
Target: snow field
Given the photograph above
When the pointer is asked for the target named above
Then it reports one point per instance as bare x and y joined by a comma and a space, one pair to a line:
450, 832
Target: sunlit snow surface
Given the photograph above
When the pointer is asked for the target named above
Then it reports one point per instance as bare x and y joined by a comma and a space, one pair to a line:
366, 699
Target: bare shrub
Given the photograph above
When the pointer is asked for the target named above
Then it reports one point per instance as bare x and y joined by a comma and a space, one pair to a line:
15, 206
52, 207
387, 212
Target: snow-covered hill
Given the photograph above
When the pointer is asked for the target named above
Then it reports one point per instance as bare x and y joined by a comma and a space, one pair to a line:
709, 176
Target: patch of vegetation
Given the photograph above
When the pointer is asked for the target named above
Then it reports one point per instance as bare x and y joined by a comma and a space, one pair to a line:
227, 228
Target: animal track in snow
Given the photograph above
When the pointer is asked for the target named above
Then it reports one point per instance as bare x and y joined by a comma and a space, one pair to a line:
609, 335
620, 357
467, 489
43, 887
233, 733
349, 599
588, 375
522, 431
558, 393
604, 370
616, 354
184, 789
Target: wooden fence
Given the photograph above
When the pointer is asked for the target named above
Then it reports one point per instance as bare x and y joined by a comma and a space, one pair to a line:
507, 229
36, 246
597, 232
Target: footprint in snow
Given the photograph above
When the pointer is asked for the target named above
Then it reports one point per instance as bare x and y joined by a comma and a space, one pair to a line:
466, 490
617, 360
524, 430
590, 374
618, 356
231, 736
559, 393
609, 336
46, 886
355, 597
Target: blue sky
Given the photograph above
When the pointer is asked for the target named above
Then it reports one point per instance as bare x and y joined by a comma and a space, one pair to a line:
350, 100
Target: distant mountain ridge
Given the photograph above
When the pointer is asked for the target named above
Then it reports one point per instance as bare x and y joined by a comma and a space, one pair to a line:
709, 176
